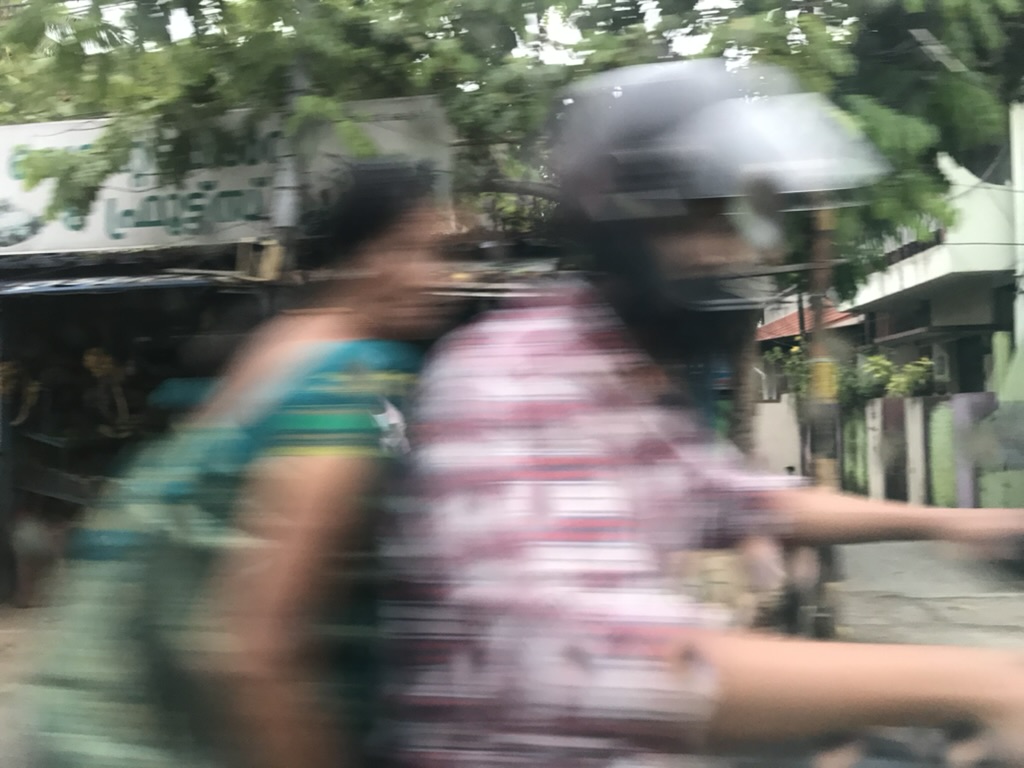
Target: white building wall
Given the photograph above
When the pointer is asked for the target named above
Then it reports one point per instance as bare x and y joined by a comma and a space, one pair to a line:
876, 450
1017, 176
981, 240
917, 451
776, 436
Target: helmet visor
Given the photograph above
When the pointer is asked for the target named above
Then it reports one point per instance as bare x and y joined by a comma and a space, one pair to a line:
797, 143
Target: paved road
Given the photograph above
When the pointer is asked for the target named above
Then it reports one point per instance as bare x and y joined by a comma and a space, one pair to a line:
15, 633
925, 593
894, 593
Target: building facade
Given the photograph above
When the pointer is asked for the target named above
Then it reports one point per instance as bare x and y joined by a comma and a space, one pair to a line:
951, 296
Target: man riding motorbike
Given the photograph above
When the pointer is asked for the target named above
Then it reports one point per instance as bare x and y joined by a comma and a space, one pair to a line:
532, 618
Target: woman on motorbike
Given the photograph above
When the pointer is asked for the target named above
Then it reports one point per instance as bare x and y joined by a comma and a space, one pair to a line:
213, 592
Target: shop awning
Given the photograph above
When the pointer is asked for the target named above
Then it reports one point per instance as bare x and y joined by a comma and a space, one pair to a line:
116, 284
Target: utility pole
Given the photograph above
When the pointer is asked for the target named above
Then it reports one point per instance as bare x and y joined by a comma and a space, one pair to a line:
804, 431
824, 384
1017, 165
289, 176
290, 179
819, 612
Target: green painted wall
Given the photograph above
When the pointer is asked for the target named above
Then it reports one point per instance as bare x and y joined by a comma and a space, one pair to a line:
1001, 488
1011, 387
855, 454
941, 456
997, 487
1002, 357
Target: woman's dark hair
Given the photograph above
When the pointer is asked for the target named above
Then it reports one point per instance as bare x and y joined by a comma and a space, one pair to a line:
359, 201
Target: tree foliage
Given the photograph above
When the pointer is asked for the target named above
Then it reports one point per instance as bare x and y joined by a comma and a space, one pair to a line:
104, 57
860, 379
912, 100
496, 64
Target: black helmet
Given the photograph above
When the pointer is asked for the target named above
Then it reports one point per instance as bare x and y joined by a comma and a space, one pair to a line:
649, 141
669, 133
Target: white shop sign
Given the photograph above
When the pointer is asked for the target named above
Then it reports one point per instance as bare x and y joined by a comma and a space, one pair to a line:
226, 200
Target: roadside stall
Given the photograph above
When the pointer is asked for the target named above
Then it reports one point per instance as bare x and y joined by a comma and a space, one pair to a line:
85, 361
113, 321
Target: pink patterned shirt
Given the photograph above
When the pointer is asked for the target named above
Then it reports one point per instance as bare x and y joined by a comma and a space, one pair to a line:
531, 608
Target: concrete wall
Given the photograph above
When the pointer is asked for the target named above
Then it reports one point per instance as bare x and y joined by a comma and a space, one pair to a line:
938, 458
904, 354
776, 436
964, 450
969, 304
917, 453
875, 449
1001, 472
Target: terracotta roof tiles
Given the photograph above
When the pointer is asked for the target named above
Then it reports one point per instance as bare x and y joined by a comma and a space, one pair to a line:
789, 326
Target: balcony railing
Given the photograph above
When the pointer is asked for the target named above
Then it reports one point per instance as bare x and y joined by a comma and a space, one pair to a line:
907, 250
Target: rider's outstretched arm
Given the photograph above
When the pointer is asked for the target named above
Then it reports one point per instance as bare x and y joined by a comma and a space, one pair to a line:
777, 689
824, 516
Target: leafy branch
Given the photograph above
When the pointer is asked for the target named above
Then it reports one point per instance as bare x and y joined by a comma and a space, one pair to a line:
872, 377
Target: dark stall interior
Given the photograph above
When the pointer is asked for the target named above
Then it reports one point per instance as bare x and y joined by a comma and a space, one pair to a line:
90, 376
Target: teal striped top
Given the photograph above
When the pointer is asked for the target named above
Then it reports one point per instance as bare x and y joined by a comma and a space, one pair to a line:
117, 688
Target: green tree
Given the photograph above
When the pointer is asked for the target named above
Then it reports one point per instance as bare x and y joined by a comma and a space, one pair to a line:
911, 99
869, 56
485, 59
302, 58
306, 59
